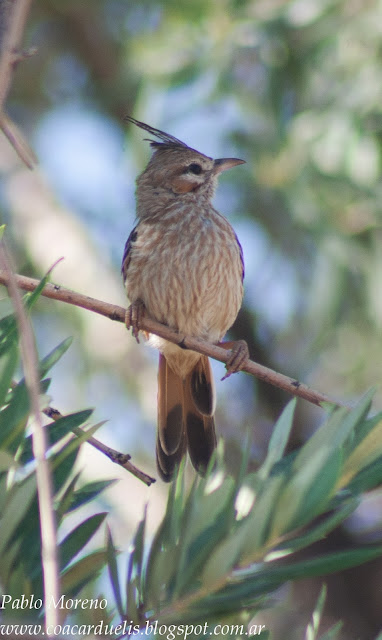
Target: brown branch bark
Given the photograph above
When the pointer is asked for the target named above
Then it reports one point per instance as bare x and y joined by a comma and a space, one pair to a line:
117, 313
48, 529
123, 459
13, 19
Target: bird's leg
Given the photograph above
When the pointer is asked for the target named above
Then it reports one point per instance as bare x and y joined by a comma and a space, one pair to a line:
133, 317
238, 356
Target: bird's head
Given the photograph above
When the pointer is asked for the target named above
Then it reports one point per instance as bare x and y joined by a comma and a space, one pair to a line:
178, 169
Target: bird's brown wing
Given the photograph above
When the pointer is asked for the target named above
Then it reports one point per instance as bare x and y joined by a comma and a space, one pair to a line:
127, 252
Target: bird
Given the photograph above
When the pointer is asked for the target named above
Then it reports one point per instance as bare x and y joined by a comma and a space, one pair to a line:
183, 266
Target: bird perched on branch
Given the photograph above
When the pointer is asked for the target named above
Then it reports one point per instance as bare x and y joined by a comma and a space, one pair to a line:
183, 266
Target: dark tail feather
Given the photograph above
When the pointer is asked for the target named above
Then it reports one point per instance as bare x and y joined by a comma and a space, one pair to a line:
198, 408
203, 387
185, 417
166, 464
171, 442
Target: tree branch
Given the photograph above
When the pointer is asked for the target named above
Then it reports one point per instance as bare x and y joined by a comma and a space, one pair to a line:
48, 530
123, 459
117, 313
13, 18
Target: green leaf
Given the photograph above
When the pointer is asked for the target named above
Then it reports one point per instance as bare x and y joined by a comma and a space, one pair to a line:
278, 439
63, 461
207, 516
65, 500
82, 572
307, 492
319, 530
79, 537
8, 333
7, 461
88, 492
14, 417
368, 478
47, 363
136, 550
333, 433
221, 561
8, 364
254, 530
17, 506
113, 573
365, 453
312, 628
57, 430
333, 632
261, 581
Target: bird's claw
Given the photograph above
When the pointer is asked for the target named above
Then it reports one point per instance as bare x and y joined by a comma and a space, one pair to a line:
133, 317
238, 356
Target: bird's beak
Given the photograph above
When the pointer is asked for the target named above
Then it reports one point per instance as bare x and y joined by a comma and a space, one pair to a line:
222, 164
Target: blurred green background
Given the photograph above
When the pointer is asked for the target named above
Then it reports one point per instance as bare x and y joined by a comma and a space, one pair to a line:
295, 89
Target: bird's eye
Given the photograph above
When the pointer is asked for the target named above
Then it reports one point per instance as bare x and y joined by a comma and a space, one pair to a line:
195, 168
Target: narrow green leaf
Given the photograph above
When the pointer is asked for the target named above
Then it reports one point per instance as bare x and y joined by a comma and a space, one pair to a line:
320, 530
361, 431
31, 298
137, 548
62, 468
221, 561
14, 417
263, 580
72, 447
8, 364
207, 516
254, 530
278, 439
66, 499
367, 479
79, 537
18, 504
333, 632
308, 492
88, 492
47, 363
312, 628
366, 452
82, 572
7, 461
113, 573
57, 430
334, 431
8, 333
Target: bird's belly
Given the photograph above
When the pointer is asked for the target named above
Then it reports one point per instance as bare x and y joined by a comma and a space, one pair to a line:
198, 301
189, 279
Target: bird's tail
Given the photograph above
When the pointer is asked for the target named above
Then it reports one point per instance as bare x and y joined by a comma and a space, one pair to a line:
185, 417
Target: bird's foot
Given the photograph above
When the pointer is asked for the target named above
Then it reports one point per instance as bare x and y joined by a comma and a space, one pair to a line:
134, 314
238, 356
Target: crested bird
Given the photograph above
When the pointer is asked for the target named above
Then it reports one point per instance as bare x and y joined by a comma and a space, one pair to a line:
183, 266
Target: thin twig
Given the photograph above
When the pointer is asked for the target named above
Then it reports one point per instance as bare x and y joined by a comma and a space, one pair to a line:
14, 16
123, 459
117, 313
48, 532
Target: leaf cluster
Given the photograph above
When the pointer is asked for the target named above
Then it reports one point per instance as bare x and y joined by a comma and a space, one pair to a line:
20, 554
225, 546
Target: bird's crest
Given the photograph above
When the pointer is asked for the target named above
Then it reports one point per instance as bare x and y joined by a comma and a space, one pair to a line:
168, 141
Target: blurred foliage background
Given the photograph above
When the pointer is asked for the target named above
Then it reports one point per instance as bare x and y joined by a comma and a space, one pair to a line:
295, 89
